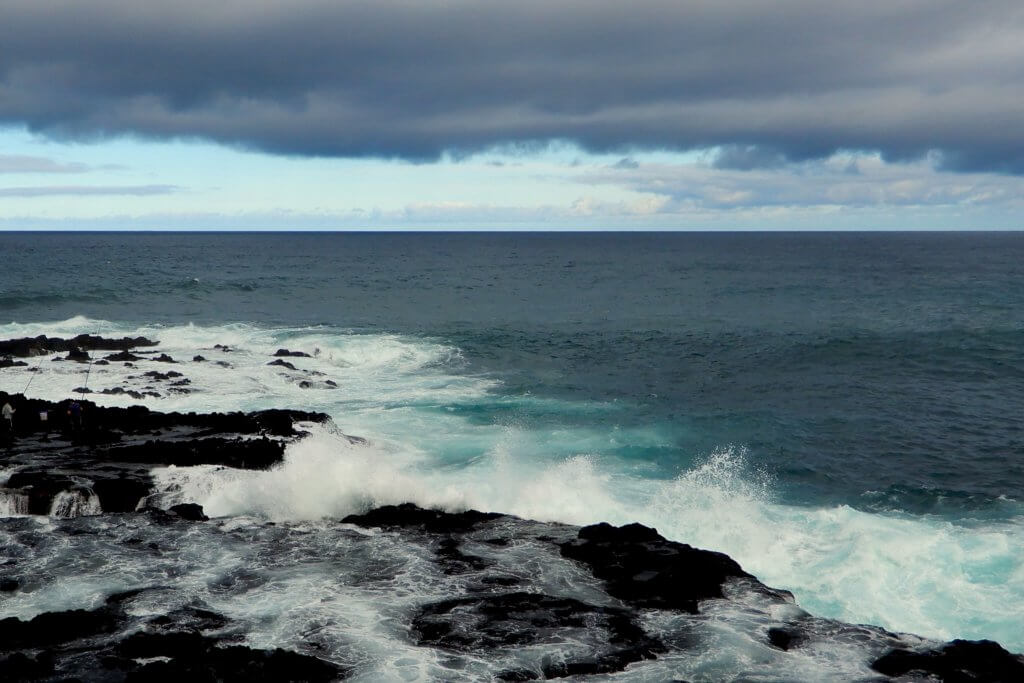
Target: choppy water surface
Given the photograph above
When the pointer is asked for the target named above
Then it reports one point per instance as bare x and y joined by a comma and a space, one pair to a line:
838, 412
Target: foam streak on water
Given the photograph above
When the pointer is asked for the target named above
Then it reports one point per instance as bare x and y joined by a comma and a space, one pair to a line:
414, 401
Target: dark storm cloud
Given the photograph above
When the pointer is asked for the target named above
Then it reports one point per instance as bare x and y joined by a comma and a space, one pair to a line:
772, 82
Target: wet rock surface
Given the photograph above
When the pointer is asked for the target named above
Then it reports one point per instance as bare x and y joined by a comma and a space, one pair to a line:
960, 661
42, 345
644, 569
106, 644
515, 615
285, 353
510, 620
109, 452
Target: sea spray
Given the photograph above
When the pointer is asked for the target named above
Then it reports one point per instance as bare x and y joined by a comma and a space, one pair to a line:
908, 574
75, 503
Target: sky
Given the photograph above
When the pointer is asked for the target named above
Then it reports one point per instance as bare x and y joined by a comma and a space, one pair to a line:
533, 114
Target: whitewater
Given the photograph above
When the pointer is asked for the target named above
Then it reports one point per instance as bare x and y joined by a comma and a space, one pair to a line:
418, 402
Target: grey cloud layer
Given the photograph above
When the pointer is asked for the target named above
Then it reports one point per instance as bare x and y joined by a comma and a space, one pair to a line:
771, 81
86, 190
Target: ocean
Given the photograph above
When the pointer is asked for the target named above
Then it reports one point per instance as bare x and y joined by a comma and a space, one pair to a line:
839, 412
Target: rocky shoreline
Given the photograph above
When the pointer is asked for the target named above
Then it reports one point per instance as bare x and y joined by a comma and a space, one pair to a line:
101, 466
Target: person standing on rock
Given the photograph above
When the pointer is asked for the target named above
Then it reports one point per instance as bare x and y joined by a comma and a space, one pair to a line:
75, 416
8, 412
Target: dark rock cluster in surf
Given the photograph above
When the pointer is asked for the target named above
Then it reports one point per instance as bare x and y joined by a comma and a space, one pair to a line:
109, 454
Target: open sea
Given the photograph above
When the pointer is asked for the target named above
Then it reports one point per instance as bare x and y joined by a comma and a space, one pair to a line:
841, 413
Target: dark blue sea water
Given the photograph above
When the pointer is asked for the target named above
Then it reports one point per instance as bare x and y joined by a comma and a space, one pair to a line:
841, 412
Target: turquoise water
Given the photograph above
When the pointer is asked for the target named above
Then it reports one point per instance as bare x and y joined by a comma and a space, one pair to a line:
839, 412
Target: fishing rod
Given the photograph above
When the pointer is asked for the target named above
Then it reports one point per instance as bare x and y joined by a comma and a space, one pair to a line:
24, 392
86, 385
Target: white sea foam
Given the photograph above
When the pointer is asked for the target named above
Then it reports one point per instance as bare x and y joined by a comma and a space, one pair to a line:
75, 503
13, 504
906, 574
918, 574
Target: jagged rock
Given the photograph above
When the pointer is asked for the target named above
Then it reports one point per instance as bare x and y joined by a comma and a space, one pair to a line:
10, 363
41, 487
77, 355
454, 561
51, 628
122, 494
22, 667
644, 569
164, 358
160, 376
172, 648
81, 390
294, 354
784, 638
282, 363
250, 454
123, 356
198, 359
190, 511
34, 346
113, 450
960, 661
8, 585
409, 515
520, 619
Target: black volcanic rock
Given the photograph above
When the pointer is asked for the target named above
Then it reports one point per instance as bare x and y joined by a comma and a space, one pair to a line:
41, 487
282, 363
784, 638
161, 376
644, 569
113, 450
960, 661
123, 493
77, 355
285, 353
56, 645
454, 561
409, 515
139, 419
31, 346
249, 454
520, 619
10, 363
123, 356
190, 511
22, 667
52, 628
